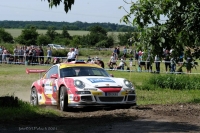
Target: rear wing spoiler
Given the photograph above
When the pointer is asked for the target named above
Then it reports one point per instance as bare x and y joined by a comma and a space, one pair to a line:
35, 71
40, 71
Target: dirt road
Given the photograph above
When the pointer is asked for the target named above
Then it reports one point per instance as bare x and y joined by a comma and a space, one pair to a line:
143, 119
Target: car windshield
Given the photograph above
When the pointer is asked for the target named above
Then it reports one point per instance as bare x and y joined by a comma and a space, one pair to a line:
82, 71
57, 46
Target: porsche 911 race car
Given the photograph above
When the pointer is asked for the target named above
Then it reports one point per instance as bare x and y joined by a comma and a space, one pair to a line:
79, 84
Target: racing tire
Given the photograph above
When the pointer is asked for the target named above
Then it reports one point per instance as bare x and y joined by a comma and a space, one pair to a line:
63, 99
34, 97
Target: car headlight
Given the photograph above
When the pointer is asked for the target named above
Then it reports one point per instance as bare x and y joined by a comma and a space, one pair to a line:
128, 83
79, 84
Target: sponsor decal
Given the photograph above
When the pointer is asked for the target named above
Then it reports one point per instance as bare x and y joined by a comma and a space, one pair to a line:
71, 97
48, 90
98, 80
51, 83
54, 89
90, 89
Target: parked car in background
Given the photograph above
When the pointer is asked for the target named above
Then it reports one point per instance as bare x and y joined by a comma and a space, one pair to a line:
55, 46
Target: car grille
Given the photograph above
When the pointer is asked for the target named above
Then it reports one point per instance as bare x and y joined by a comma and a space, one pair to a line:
131, 98
111, 99
86, 98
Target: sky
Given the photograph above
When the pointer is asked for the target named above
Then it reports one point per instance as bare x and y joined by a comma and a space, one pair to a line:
89, 11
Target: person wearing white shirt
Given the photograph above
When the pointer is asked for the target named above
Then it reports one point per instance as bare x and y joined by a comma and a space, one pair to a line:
73, 55
76, 52
112, 61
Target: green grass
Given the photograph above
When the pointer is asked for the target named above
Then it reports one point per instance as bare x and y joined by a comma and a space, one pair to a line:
25, 111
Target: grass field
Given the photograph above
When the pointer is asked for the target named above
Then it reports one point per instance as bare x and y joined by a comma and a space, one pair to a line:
17, 32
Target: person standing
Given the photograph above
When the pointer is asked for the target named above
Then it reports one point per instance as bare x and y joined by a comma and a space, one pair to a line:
189, 61
167, 60
15, 51
157, 63
4, 54
21, 55
49, 55
69, 55
1, 52
73, 55
118, 52
125, 52
112, 61
41, 55
76, 53
149, 63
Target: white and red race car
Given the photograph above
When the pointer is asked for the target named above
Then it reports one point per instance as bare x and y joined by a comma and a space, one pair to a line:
79, 84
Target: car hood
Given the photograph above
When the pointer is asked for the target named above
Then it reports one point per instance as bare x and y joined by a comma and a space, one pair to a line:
99, 81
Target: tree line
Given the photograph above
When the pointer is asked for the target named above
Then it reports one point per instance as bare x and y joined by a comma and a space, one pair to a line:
78, 25
97, 37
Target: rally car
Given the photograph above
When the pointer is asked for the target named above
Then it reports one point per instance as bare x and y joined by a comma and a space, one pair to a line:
79, 84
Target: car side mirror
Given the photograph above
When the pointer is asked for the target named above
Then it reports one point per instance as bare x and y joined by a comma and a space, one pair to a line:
55, 76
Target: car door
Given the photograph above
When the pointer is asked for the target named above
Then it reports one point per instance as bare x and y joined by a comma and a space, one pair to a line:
49, 86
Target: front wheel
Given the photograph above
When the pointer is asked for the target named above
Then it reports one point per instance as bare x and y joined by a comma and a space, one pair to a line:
63, 99
34, 97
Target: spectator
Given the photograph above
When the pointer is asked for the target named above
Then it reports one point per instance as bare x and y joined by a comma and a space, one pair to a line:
141, 62
100, 63
69, 55
157, 63
8, 57
118, 52
41, 55
37, 49
73, 55
1, 52
76, 53
180, 62
4, 55
112, 61
49, 55
125, 52
167, 60
26, 55
15, 52
149, 63
189, 60
34, 54
121, 65
21, 55
173, 64
115, 51
89, 59
30, 56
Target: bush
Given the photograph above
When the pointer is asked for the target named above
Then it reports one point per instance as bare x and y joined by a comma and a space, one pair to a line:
59, 53
171, 81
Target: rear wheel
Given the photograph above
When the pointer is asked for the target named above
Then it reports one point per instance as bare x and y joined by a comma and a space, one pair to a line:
34, 97
63, 99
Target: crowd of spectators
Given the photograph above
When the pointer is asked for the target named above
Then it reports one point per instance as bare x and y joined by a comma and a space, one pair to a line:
22, 55
117, 61
145, 60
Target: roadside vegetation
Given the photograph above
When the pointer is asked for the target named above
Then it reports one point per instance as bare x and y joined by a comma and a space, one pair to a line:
12, 108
